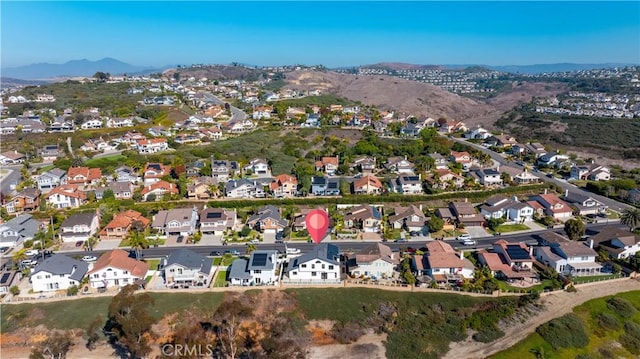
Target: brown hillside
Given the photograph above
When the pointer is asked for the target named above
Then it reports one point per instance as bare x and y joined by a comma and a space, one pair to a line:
218, 72
387, 92
523, 92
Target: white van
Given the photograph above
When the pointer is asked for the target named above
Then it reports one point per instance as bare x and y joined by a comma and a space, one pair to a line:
293, 251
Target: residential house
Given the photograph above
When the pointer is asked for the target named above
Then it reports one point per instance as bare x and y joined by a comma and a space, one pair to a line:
324, 186
58, 272
83, 176
569, 258
178, 221
488, 177
201, 187
375, 261
126, 174
511, 209
367, 185
284, 185
259, 167
536, 149
466, 214
8, 277
213, 133
26, 200
364, 217
65, 196
509, 261
185, 268
223, 170
18, 229
262, 112
239, 126
79, 227
116, 269
119, 122
50, 179
328, 165
243, 188
11, 158
551, 159
590, 172
409, 218
408, 185
399, 165
121, 190
187, 139
442, 263
50, 153
159, 190
363, 164
477, 133
195, 167
122, 223
268, 219
217, 220
260, 269
584, 204
320, 265
463, 158
91, 124
619, 243
452, 126
153, 145
153, 172
444, 179
505, 140
554, 206
440, 162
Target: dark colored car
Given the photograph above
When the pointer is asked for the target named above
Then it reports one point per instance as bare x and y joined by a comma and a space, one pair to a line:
216, 253
180, 239
79, 243
400, 241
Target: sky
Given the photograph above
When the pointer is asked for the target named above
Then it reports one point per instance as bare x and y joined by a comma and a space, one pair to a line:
160, 33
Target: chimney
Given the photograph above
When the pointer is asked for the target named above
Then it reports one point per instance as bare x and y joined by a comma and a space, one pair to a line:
545, 191
461, 255
591, 243
566, 193
420, 206
530, 250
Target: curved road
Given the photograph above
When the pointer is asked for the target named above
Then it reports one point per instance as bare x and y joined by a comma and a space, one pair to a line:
236, 113
612, 204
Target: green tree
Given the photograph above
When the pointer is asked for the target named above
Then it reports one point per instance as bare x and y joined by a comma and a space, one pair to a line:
101, 76
250, 248
94, 332
435, 224
494, 223
406, 274
245, 231
108, 194
14, 290
574, 228
631, 218
129, 323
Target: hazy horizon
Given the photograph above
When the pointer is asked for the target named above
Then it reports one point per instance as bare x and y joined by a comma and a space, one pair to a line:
334, 34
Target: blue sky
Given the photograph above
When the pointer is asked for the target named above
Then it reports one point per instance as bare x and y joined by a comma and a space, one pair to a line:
329, 33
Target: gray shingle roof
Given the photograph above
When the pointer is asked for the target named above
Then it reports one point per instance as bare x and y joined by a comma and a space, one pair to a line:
190, 259
59, 264
325, 251
239, 270
77, 219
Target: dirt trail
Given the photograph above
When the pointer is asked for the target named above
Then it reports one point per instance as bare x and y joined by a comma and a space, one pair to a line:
556, 305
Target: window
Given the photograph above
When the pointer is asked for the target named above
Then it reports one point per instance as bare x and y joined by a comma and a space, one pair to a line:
330, 266
257, 271
47, 276
584, 258
125, 272
313, 274
323, 266
96, 275
313, 266
303, 266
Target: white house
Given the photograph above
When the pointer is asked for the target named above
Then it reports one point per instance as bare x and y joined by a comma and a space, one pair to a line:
259, 167
260, 269
442, 263
375, 261
79, 227
408, 185
243, 188
92, 123
58, 272
184, 267
619, 243
178, 221
152, 145
51, 179
569, 258
119, 122
320, 265
116, 269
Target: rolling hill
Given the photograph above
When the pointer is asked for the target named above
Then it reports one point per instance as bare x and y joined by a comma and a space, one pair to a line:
72, 68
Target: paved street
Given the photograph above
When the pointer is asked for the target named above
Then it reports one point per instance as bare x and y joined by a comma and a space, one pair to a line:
236, 113
11, 177
612, 204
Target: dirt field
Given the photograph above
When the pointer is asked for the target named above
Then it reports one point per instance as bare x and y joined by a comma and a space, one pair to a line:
556, 305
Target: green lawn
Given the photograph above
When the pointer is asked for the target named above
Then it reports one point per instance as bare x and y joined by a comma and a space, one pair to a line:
538, 287
221, 279
506, 228
102, 162
598, 338
153, 263
80, 313
224, 260
593, 278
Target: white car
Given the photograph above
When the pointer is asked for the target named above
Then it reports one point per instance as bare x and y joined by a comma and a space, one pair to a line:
293, 251
463, 237
469, 242
32, 252
89, 258
28, 263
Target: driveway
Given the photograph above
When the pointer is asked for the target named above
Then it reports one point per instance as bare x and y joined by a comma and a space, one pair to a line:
210, 240
268, 238
477, 232
106, 245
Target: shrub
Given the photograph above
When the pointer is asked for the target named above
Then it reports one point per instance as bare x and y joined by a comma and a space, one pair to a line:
606, 353
488, 334
564, 332
73, 290
346, 333
608, 321
622, 307
571, 289
632, 329
15, 290
631, 343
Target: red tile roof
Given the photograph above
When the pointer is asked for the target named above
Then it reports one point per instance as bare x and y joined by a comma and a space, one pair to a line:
121, 260
162, 185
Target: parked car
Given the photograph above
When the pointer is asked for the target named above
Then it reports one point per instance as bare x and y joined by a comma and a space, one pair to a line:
293, 251
89, 258
253, 241
233, 252
215, 253
4, 249
469, 242
463, 237
32, 252
180, 239
400, 241
279, 241
79, 243
28, 263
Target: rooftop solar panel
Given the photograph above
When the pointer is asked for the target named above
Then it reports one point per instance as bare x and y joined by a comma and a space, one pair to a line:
214, 215
259, 259
517, 252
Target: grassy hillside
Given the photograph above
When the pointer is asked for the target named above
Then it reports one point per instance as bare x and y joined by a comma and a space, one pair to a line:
606, 327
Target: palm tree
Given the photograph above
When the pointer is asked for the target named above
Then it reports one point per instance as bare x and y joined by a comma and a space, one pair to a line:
250, 248
631, 218
19, 256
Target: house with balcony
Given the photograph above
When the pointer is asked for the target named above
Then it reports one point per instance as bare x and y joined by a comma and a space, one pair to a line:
223, 170
58, 272
369, 184
592, 172
83, 176
50, 179
284, 186
12, 158
258, 167
268, 219
259, 269
121, 190
464, 158
217, 220
509, 261
569, 258
410, 218
554, 206
243, 188
174, 222
465, 213
79, 227
26, 200
122, 223
445, 179
159, 189
320, 265
487, 177
152, 145
375, 261
153, 172
363, 217
65, 196
50, 153
186, 268
328, 165
364, 164
409, 185
584, 204
511, 209
399, 165
325, 186
116, 269
618, 242
18, 229
439, 161
442, 263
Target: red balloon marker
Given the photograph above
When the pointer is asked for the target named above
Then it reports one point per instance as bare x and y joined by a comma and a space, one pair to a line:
317, 224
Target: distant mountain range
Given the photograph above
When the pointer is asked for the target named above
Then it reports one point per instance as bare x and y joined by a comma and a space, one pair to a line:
74, 68
84, 67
